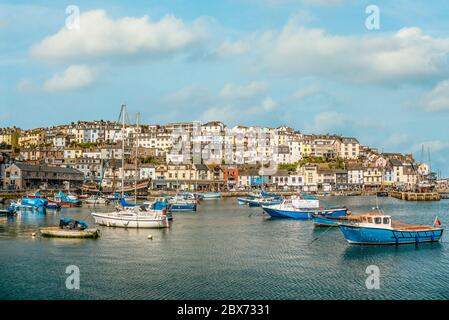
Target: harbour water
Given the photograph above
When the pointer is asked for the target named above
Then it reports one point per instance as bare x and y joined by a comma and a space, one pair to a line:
223, 251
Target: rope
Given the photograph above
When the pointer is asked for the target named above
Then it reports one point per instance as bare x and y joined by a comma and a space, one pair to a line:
317, 238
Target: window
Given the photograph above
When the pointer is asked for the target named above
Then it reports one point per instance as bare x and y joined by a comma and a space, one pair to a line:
370, 220
378, 220
386, 220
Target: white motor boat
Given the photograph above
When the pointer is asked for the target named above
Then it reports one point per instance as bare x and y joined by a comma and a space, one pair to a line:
133, 217
96, 200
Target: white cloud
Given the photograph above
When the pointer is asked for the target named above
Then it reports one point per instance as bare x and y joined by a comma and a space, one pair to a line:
101, 36
397, 140
303, 92
405, 56
268, 104
233, 91
74, 77
191, 95
327, 121
229, 48
438, 98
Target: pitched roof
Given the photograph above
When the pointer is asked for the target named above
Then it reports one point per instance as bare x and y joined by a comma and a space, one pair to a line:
44, 168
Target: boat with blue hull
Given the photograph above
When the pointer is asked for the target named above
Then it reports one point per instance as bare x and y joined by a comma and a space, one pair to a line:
182, 207
323, 221
379, 229
304, 207
279, 211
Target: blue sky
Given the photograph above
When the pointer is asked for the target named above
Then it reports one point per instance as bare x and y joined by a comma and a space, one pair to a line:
310, 64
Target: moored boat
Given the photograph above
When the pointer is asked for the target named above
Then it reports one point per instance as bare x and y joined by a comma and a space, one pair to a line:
209, 195
135, 217
182, 203
96, 200
303, 209
69, 228
65, 201
380, 229
258, 202
57, 232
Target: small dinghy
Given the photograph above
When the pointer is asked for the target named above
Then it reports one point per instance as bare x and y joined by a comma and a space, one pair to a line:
69, 228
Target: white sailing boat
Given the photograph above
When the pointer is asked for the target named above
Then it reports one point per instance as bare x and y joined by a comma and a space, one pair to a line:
131, 217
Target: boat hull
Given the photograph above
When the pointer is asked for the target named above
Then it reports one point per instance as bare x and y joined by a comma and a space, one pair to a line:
321, 221
57, 232
380, 236
182, 207
303, 214
210, 196
130, 222
243, 201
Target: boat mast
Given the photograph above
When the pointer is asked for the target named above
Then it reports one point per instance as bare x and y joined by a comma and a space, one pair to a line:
123, 148
137, 152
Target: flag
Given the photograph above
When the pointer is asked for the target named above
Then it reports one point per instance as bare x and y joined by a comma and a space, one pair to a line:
437, 222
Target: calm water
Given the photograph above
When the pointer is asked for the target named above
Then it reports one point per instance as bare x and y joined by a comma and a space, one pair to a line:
224, 251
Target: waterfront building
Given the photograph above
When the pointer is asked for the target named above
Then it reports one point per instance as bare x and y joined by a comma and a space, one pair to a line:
341, 180
355, 176
372, 177
28, 176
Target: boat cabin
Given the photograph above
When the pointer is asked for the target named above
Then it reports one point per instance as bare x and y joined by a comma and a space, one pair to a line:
371, 220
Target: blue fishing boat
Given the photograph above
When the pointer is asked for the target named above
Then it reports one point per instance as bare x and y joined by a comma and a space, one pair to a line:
377, 228
182, 203
280, 211
65, 200
304, 208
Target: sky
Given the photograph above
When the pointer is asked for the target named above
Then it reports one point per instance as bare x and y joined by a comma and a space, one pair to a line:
310, 64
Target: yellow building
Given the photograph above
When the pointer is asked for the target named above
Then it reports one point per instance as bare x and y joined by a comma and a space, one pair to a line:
32, 138
9, 136
306, 149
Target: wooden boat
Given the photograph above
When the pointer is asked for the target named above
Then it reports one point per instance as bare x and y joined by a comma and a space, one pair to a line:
378, 228
58, 232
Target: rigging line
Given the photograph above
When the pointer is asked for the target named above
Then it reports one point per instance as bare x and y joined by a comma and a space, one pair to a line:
317, 238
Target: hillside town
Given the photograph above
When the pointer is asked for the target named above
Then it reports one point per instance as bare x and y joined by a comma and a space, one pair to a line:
201, 156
